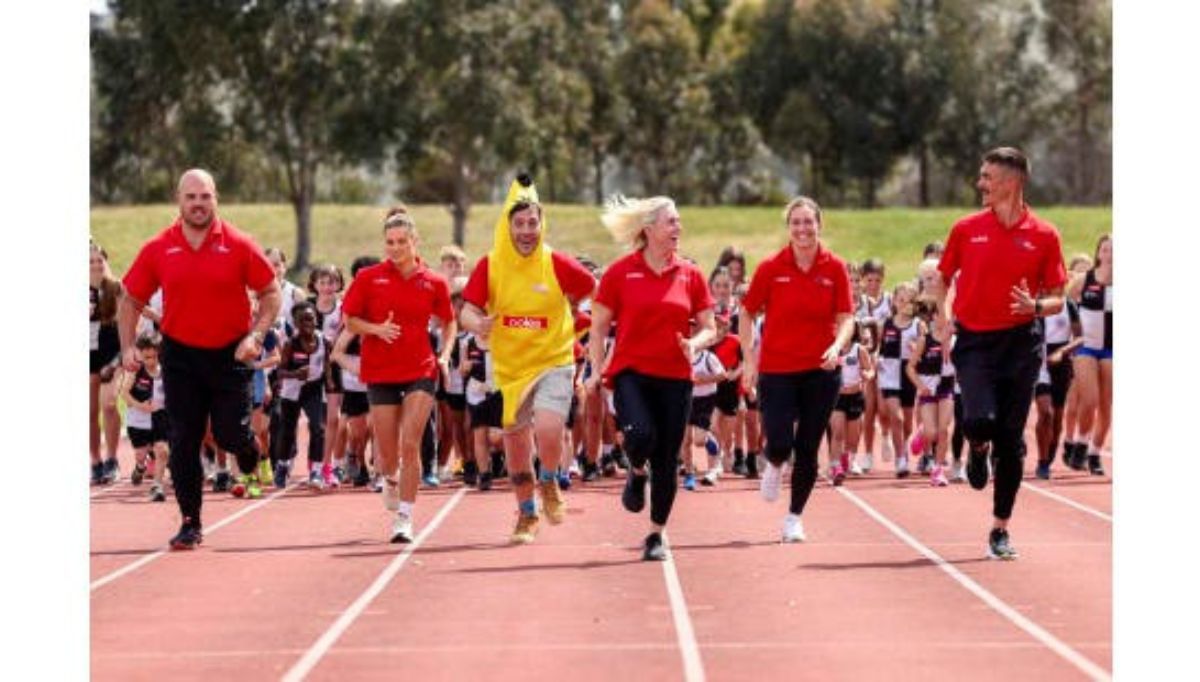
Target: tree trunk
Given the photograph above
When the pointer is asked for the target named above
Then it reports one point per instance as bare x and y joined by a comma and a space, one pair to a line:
923, 173
462, 203
302, 206
598, 168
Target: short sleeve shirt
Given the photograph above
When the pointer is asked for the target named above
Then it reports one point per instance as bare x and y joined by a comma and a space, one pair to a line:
205, 304
574, 280
990, 259
379, 291
651, 311
800, 308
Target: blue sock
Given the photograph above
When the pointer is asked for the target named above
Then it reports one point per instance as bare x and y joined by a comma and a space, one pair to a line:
548, 475
528, 507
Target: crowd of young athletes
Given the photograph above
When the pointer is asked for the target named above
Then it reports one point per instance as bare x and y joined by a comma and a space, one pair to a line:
898, 386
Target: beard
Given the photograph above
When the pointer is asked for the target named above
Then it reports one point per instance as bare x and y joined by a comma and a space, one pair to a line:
191, 218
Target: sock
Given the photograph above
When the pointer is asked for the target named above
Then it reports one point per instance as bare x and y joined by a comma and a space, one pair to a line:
547, 475
527, 507
405, 508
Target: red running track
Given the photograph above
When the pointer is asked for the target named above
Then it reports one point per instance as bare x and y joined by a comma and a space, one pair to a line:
893, 583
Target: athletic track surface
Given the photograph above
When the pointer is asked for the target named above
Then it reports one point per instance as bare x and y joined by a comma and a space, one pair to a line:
893, 583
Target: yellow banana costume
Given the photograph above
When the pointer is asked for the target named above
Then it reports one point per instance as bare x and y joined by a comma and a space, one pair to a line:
533, 330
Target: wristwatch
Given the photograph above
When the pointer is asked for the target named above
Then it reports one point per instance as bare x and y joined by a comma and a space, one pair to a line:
1037, 307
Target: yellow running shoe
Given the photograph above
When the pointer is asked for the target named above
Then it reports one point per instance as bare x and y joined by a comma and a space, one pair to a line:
264, 470
552, 501
526, 530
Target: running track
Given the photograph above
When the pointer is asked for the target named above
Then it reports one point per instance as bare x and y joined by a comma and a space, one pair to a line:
893, 583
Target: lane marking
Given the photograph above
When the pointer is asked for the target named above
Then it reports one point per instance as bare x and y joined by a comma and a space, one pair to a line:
1067, 501
319, 648
130, 568
693, 669
1015, 617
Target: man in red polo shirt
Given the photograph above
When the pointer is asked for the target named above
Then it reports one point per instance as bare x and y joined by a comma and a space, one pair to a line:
204, 266
1010, 272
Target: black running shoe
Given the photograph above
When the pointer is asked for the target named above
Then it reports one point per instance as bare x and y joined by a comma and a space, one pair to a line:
470, 472
98, 473
1078, 456
222, 482
752, 465
634, 495
1043, 471
498, 470
619, 457
139, 472
187, 538
1094, 466
111, 471
485, 481
608, 465
999, 547
590, 472
739, 465
977, 467
652, 549
363, 477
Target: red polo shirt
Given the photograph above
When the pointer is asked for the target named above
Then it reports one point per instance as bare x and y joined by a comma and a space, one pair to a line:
991, 259
574, 280
204, 290
649, 310
379, 290
800, 308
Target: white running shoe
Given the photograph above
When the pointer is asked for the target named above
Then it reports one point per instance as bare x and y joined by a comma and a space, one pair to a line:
855, 469
958, 472
887, 450
402, 529
902, 466
391, 494
793, 529
868, 462
771, 482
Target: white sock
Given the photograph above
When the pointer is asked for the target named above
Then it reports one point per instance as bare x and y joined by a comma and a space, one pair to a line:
405, 508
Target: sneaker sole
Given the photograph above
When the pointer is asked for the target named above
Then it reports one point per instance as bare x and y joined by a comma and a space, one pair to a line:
1001, 557
400, 539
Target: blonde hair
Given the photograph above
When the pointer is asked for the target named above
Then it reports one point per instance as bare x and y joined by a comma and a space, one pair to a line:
398, 216
1081, 258
452, 251
805, 202
626, 219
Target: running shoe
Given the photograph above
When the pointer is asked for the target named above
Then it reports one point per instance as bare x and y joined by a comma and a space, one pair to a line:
526, 529
752, 465
264, 470
253, 486
652, 548
139, 471
363, 479
341, 474
916, 444
937, 477
689, 481
711, 476
446, 473
499, 470
402, 529
553, 503
485, 481
590, 472
771, 482
222, 482
431, 479
377, 484
977, 467
98, 473
564, 480
112, 472
1043, 471
1094, 466
1078, 460
844, 462
156, 493
793, 529
868, 462
739, 465
391, 494
855, 469
573, 471
470, 473
902, 466
328, 477
924, 464
281, 474
187, 537
999, 546
315, 481
633, 497
887, 451
958, 472
608, 465
837, 474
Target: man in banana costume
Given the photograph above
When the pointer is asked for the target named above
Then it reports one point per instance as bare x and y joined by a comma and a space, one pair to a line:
519, 299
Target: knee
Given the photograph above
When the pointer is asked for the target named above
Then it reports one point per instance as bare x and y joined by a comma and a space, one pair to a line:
639, 437
979, 429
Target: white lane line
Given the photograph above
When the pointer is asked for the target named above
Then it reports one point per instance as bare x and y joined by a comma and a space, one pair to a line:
1067, 501
693, 669
1015, 617
319, 648
129, 568
106, 488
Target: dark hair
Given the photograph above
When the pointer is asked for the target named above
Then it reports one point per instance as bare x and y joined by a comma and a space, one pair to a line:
398, 216
276, 250
327, 270
521, 205
362, 262
1011, 158
933, 248
729, 254
1100, 242
873, 266
720, 270
924, 307
303, 306
150, 339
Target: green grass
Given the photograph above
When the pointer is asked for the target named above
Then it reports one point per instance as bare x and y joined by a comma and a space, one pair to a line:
341, 233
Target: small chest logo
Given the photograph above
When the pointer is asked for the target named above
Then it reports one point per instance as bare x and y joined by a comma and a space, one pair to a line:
783, 279
823, 281
634, 275
981, 239
380, 280
220, 248
525, 322
174, 250
1027, 245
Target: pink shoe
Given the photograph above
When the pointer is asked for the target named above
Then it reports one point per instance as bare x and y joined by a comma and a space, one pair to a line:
917, 445
331, 481
938, 477
837, 474
844, 462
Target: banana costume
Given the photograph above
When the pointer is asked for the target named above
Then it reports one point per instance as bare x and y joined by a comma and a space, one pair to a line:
533, 331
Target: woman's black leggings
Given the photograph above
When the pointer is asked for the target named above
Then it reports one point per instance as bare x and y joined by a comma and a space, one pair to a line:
652, 414
795, 410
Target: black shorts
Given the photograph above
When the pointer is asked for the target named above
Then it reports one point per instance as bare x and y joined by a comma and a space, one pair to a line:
702, 409
108, 347
456, 401
907, 393
1061, 376
487, 413
159, 431
727, 398
852, 404
355, 403
394, 393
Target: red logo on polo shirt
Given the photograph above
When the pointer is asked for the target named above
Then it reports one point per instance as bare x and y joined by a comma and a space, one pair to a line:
981, 239
220, 248
525, 322
174, 249
380, 280
783, 279
634, 275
